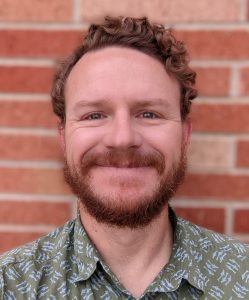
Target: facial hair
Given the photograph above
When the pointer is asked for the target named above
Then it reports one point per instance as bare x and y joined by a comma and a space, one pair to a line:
120, 213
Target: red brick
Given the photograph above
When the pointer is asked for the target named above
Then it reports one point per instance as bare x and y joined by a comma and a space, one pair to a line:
25, 79
209, 153
22, 147
164, 11
244, 81
201, 44
34, 213
220, 118
215, 44
36, 10
242, 154
212, 218
27, 114
213, 81
241, 221
221, 186
36, 181
38, 43
11, 240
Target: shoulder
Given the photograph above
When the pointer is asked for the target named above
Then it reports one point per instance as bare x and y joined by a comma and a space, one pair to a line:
43, 249
217, 264
215, 255
49, 267
214, 263
211, 240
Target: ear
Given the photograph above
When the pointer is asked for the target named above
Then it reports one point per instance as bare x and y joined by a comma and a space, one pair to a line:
186, 131
61, 136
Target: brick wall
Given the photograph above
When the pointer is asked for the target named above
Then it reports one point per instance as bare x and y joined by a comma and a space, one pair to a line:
34, 34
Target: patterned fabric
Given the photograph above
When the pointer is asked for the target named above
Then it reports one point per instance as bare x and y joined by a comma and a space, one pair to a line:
65, 265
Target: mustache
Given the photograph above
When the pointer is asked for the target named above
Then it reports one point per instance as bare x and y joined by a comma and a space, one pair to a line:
123, 159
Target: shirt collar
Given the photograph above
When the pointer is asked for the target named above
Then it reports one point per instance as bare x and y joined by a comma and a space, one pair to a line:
183, 263
182, 266
85, 255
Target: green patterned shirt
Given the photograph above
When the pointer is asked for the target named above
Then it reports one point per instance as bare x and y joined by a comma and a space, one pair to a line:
65, 265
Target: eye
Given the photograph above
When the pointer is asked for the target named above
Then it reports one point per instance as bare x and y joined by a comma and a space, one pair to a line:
94, 116
148, 115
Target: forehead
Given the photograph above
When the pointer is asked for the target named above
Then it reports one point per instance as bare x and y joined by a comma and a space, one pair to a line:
115, 73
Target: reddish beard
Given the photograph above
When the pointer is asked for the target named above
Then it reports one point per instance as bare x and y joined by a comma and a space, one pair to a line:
118, 213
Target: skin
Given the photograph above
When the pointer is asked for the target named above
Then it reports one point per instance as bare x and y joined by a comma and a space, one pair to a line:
120, 98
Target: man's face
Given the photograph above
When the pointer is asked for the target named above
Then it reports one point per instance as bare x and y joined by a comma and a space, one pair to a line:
124, 140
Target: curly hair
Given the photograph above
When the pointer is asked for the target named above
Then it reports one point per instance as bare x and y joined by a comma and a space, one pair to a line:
135, 33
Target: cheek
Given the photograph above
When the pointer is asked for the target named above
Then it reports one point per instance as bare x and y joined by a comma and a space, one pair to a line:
167, 140
80, 141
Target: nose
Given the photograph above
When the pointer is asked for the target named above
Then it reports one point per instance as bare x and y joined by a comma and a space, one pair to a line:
122, 133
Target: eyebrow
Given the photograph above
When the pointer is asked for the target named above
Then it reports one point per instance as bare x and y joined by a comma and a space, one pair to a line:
138, 103
151, 102
87, 103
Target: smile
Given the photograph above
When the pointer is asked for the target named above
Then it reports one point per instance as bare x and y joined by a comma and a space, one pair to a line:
124, 171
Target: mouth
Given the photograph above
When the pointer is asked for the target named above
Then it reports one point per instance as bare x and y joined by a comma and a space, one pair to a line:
124, 170
124, 165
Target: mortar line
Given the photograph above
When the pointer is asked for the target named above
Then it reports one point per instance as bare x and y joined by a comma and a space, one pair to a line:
210, 203
76, 11
50, 26
234, 81
22, 61
243, 10
29, 131
16, 197
25, 97
229, 221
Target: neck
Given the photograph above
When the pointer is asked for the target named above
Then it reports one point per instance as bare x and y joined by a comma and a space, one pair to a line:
132, 253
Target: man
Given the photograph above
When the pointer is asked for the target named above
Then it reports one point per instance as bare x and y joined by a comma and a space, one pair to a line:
123, 100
